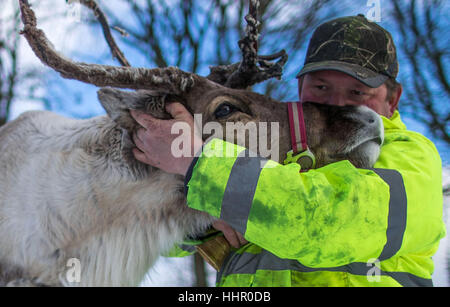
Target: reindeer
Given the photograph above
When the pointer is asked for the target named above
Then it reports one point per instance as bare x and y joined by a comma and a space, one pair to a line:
71, 189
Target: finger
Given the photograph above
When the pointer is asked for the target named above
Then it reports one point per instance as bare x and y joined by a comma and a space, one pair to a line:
228, 232
140, 156
241, 239
178, 111
138, 142
145, 120
231, 237
142, 134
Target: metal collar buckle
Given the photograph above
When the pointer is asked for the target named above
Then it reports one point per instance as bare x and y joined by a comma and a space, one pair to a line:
306, 159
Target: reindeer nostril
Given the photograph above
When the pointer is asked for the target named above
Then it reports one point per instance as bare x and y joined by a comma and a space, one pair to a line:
371, 117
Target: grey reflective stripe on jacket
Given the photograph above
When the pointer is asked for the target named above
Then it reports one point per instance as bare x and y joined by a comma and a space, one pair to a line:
248, 263
397, 211
187, 248
246, 171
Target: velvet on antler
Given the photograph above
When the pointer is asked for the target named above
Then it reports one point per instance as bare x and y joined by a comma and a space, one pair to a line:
252, 69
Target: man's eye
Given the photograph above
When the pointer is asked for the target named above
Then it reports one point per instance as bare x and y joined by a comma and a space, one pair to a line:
358, 93
321, 87
224, 110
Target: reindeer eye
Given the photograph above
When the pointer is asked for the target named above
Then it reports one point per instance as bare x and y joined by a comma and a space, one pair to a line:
225, 109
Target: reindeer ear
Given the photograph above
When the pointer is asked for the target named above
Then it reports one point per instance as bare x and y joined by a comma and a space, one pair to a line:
118, 103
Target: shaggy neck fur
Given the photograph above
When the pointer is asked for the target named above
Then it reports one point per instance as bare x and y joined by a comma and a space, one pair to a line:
74, 197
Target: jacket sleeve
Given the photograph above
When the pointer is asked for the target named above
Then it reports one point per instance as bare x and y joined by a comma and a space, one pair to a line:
326, 217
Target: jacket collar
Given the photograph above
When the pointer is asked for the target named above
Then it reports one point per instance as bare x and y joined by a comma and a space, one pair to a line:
394, 122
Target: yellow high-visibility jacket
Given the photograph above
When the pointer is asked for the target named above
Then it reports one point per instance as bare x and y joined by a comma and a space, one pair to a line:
333, 226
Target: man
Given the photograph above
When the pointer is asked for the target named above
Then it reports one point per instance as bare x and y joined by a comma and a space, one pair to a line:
333, 226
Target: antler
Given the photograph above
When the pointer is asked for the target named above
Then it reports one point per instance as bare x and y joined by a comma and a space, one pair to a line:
170, 79
247, 72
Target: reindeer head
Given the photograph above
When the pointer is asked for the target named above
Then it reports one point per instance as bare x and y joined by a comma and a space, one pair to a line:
335, 133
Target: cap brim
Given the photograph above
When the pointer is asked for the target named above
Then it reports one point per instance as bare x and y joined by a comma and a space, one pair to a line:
366, 76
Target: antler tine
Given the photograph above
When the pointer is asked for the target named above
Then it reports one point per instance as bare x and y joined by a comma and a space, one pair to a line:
248, 72
170, 79
249, 44
249, 48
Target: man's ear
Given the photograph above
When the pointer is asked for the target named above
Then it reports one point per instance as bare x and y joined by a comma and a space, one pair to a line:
394, 99
118, 103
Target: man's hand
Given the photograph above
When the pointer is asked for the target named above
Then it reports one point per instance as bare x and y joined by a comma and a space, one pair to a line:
154, 140
233, 237
154, 146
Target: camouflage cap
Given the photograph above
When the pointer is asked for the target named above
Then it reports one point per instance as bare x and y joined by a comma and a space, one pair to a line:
355, 46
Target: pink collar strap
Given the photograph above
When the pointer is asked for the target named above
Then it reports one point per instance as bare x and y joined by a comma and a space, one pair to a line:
300, 152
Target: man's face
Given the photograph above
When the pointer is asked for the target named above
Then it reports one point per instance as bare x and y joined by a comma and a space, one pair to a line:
337, 88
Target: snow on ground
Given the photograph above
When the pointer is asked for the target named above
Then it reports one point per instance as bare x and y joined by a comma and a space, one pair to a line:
441, 276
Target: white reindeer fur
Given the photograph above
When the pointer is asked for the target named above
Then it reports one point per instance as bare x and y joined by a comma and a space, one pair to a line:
66, 193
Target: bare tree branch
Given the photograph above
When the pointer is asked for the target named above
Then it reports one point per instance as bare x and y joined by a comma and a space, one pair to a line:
420, 44
9, 79
446, 191
101, 17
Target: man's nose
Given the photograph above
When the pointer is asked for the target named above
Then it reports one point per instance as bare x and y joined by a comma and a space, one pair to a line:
337, 99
